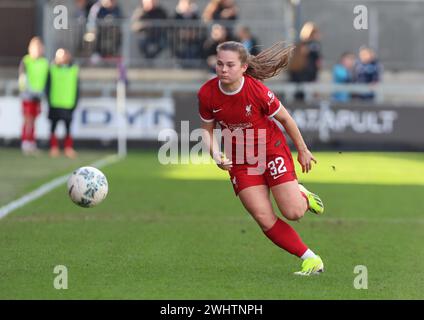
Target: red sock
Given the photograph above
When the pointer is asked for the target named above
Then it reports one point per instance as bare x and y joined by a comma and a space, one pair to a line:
25, 135
69, 143
284, 236
53, 141
31, 135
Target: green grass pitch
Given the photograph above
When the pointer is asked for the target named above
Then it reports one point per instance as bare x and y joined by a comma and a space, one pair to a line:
178, 232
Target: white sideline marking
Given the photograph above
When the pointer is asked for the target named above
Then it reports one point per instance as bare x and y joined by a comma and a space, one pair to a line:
49, 186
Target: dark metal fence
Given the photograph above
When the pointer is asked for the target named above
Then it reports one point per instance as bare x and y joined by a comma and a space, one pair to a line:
156, 43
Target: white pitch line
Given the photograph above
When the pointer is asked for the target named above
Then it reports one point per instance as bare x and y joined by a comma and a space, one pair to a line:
49, 186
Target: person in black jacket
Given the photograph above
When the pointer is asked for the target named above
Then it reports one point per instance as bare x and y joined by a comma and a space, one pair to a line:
146, 21
189, 34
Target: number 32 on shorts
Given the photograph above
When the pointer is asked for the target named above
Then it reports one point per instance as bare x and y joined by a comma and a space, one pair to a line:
277, 167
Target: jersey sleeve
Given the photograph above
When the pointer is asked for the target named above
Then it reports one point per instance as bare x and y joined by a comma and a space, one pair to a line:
205, 111
268, 101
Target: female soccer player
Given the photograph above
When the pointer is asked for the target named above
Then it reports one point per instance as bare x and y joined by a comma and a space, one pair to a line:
239, 102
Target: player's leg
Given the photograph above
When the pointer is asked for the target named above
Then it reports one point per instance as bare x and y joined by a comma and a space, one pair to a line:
31, 136
257, 202
26, 126
54, 143
293, 206
35, 111
26, 132
69, 143
293, 199
289, 200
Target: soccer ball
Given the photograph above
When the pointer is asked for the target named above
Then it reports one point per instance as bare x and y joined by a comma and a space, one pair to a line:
87, 187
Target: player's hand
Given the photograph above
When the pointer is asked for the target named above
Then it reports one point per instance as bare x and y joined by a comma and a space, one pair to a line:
305, 159
223, 162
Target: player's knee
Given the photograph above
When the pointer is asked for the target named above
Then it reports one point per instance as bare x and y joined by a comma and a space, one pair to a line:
264, 219
294, 213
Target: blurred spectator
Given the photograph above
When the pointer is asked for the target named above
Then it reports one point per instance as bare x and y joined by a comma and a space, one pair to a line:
343, 73
188, 39
152, 38
33, 71
217, 10
62, 92
244, 36
82, 8
187, 10
297, 66
103, 26
218, 34
104, 9
224, 12
306, 59
367, 70
310, 36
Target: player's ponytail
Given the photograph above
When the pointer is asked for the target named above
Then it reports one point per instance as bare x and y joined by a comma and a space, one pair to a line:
267, 64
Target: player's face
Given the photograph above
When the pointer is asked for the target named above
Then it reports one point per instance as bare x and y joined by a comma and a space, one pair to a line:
229, 68
35, 49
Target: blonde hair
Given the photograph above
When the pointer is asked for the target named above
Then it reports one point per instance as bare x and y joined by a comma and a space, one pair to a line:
299, 59
307, 31
267, 64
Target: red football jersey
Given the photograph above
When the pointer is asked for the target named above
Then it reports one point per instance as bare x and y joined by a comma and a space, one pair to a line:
248, 109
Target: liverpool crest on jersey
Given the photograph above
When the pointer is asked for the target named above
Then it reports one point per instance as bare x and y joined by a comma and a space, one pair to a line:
248, 110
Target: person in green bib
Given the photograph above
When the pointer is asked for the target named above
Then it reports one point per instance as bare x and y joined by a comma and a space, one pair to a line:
62, 91
33, 71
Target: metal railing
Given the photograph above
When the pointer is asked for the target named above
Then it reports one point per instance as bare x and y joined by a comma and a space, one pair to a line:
394, 29
383, 93
160, 43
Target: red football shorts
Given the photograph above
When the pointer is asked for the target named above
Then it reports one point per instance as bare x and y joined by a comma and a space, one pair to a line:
31, 108
279, 168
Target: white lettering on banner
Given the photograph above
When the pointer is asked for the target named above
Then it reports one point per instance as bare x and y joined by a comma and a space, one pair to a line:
327, 121
96, 118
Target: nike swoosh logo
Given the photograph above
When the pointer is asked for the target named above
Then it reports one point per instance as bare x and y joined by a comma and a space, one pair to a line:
280, 175
216, 110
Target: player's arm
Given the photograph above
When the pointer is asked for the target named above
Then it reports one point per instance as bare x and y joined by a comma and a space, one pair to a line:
304, 157
213, 147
